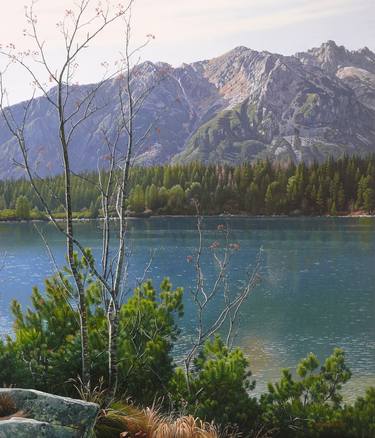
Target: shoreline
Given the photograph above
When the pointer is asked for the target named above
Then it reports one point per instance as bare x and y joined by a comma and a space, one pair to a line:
166, 216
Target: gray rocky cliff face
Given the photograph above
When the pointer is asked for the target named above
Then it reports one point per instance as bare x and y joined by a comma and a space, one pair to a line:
355, 69
243, 105
285, 108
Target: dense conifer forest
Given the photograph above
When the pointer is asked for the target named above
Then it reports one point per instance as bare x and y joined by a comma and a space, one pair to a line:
335, 187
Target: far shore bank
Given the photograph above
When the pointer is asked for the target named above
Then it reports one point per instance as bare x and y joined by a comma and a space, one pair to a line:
221, 215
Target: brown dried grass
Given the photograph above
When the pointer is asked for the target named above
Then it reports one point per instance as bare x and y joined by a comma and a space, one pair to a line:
149, 423
7, 405
8, 408
155, 426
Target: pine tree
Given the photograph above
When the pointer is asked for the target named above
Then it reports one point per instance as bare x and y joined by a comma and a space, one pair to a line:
22, 208
369, 200
152, 197
137, 199
3, 204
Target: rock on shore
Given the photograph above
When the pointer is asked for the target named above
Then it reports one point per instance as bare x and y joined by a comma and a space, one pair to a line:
48, 415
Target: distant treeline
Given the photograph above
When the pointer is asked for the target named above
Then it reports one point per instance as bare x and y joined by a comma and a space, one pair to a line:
334, 187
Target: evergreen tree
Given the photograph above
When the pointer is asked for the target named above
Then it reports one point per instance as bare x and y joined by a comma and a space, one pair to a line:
3, 203
152, 197
137, 199
369, 200
22, 207
176, 197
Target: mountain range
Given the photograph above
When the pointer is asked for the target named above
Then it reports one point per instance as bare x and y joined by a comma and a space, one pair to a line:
242, 106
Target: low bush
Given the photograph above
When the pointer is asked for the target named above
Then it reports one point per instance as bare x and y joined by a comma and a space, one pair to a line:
218, 389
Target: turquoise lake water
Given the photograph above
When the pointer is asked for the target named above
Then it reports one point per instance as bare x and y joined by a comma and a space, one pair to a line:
317, 290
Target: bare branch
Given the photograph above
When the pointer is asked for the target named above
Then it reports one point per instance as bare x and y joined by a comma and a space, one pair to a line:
203, 294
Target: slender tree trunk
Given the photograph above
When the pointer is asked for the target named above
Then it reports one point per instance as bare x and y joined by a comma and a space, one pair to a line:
113, 332
85, 355
121, 210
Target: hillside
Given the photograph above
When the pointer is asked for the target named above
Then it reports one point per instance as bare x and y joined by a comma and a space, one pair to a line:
243, 105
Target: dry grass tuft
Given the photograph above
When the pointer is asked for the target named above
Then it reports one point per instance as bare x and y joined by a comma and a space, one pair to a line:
185, 427
148, 423
156, 426
7, 405
96, 394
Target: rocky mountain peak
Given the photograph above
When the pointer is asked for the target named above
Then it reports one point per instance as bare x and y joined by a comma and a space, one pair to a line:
242, 105
355, 68
329, 56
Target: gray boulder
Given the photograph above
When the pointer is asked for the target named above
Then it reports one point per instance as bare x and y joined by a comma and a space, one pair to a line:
25, 428
48, 415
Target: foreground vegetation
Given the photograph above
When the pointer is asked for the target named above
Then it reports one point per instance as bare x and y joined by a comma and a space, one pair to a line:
45, 354
334, 187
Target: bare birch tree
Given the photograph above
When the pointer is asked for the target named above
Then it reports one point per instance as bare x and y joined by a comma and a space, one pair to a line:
79, 28
116, 188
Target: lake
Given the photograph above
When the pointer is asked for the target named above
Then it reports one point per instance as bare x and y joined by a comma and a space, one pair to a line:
317, 290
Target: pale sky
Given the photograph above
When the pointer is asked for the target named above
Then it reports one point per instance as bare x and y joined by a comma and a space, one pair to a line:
192, 30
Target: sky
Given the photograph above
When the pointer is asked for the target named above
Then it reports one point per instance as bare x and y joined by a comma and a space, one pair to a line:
191, 30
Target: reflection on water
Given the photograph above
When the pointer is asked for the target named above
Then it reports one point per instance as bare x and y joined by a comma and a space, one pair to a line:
265, 361
317, 291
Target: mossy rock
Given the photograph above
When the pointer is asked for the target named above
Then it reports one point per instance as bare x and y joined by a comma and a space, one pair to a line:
65, 416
